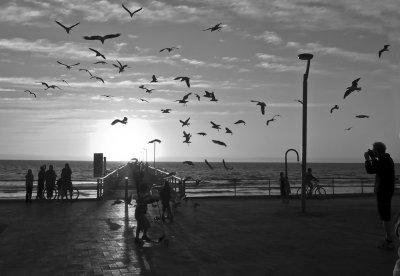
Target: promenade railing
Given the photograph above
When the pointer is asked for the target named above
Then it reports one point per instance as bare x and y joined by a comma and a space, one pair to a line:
106, 184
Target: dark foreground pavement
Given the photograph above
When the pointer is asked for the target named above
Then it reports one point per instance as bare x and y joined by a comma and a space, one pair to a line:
219, 237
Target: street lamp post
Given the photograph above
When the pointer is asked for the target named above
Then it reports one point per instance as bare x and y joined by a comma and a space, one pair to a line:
308, 58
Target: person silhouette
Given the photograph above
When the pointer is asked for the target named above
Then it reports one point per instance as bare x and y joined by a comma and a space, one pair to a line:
309, 179
66, 174
41, 180
28, 185
51, 178
378, 162
165, 196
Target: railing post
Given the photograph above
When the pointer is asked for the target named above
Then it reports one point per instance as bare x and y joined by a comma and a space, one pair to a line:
362, 186
98, 188
234, 183
333, 186
126, 190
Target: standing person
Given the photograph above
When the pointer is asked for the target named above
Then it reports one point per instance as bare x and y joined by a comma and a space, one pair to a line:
309, 179
284, 187
51, 178
143, 224
41, 179
378, 162
66, 181
165, 196
29, 185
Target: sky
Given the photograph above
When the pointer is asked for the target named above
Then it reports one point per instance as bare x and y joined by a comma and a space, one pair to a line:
252, 58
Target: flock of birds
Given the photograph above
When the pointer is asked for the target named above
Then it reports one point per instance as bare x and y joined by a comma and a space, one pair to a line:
185, 99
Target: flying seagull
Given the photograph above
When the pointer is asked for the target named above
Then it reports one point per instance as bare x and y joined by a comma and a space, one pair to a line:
97, 78
169, 49
67, 29
107, 96
187, 137
348, 128
100, 62
131, 13
354, 87
154, 79
225, 166
49, 86
30, 92
227, 130
68, 66
185, 123
98, 54
202, 133
219, 143
143, 100
217, 27
155, 140
208, 164
261, 104
64, 81
167, 110
384, 49
101, 38
335, 107
240, 122
142, 87
186, 79
216, 126
272, 119
197, 96
190, 163
208, 94
86, 70
298, 101
120, 66
123, 121
149, 90
362, 116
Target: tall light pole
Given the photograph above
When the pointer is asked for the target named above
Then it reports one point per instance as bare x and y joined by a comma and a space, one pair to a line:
154, 143
308, 58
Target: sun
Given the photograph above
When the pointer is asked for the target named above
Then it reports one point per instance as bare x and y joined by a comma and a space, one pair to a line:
122, 142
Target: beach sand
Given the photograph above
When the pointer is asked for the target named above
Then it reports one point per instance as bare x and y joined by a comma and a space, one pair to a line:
229, 236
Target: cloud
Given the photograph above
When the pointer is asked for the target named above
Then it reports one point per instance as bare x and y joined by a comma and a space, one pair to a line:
196, 62
20, 15
269, 37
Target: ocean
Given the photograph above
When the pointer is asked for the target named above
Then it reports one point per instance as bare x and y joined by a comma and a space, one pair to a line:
249, 178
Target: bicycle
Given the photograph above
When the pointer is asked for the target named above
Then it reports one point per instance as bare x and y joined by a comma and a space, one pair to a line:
58, 193
318, 191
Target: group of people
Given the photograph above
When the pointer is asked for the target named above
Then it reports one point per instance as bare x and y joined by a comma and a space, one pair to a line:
48, 180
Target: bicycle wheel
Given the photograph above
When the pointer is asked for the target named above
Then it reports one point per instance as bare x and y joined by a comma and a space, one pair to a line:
320, 193
298, 192
75, 193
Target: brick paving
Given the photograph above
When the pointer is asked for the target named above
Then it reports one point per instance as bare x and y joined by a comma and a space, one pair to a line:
227, 236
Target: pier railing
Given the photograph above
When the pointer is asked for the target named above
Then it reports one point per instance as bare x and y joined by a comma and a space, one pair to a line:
106, 184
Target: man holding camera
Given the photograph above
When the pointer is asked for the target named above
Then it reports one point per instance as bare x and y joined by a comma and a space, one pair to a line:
378, 162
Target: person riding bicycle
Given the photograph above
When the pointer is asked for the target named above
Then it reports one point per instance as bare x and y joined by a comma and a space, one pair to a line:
143, 224
309, 183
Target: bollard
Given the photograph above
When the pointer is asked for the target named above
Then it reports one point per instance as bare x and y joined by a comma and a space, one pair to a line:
98, 188
333, 186
126, 190
269, 187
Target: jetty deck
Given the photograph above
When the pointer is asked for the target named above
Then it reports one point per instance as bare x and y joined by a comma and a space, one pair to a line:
242, 236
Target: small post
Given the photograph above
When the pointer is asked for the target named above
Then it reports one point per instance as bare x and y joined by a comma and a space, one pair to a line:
362, 186
98, 188
269, 187
126, 190
234, 183
333, 186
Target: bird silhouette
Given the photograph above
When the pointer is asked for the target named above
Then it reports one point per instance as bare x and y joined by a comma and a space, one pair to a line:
97, 78
348, 128
120, 66
190, 163
384, 49
299, 101
98, 54
240, 122
149, 90
154, 79
30, 92
362, 116
68, 66
101, 38
225, 166
227, 130
100, 62
64, 81
166, 110
142, 87
187, 137
197, 96
272, 119
124, 121
107, 96
216, 126
261, 104
49, 86
213, 99
208, 164
67, 29
186, 79
154, 140
217, 27
335, 107
184, 99
143, 100
131, 13
352, 88
208, 94
185, 123
86, 70
219, 143
169, 49
202, 133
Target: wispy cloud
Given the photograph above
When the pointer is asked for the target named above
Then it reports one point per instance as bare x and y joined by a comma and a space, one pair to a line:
269, 37
13, 13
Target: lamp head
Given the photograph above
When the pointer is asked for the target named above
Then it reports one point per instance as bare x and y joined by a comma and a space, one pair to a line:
305, 56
